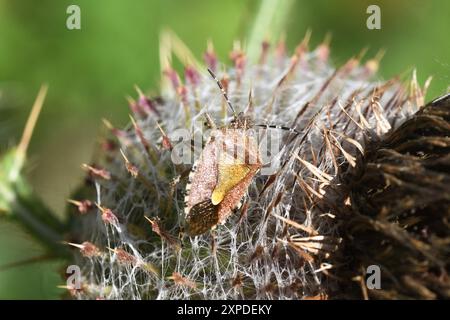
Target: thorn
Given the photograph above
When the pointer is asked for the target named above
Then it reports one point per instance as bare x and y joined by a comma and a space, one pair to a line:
96, 172
140, 135
149, 220
135, 173
323, 50
180, 49
348, 67
144, 104
32, 119
108, 124
172, 75
165, 139
238, 57
133, 105
373, 64
180, 280
64, 287
280, 50
117, 132
71, 289
426, 86
302, 48
107, 215
327, 40
131, 168
76, 245
299, 250
296, 225
321, 175
108, 145
361, 55
380, 54
191, 75
139, 91
171, 240
22, 148
265, 46
123, 256
165, 51
87, 249
210, 56
83, 206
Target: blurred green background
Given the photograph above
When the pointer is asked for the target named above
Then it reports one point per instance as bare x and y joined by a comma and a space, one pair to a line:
90, 71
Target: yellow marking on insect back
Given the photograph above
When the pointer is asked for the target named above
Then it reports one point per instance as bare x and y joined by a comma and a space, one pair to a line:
217, 197
229, 176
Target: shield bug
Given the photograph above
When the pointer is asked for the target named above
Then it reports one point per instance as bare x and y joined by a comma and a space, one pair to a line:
221, 176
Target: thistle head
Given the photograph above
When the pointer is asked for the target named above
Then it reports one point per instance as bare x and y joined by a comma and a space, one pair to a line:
279, 243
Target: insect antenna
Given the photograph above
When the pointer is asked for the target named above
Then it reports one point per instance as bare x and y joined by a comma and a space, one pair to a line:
223, 91
271, 126
210, 121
